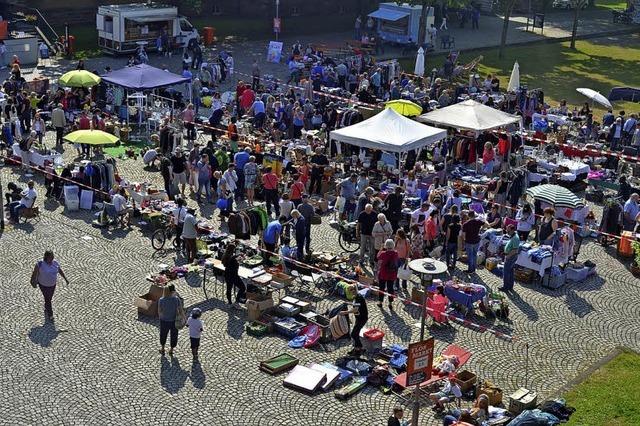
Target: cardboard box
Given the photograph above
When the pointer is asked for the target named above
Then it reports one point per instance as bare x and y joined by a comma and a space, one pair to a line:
256, 308
522, 399
417, 295
466, 379
494, 394
146, 305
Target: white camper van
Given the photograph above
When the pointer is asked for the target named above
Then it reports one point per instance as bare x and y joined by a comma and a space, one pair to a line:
123, 27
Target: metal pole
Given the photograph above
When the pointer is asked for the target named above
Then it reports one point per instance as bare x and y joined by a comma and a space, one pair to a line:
1, 212
66, 40
416, 392
526, 369
277, 16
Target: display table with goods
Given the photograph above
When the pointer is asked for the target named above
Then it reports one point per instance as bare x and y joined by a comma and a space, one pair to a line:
39, 157
464, 296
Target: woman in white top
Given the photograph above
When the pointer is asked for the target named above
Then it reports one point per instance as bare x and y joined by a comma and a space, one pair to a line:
45, 275
382, 231
526, 220
39, 127
410, 185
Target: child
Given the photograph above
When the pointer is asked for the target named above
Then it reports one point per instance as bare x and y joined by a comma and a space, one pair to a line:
195, 331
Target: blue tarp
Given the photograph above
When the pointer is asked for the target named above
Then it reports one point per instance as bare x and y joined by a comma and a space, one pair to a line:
629, 94
142, 77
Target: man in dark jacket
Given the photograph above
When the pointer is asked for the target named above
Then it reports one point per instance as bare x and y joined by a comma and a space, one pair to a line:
300, 228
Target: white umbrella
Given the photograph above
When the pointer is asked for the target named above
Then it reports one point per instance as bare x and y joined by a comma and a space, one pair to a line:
419, 69
514, 80
595, 96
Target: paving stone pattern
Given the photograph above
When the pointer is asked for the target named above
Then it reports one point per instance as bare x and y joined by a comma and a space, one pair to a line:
99, 364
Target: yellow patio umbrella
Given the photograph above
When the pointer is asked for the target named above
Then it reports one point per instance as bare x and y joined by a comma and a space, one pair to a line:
91, 137
404, 107
79, 78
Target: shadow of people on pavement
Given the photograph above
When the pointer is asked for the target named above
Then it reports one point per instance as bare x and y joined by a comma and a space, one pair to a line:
44, 334
197, 376
172, 376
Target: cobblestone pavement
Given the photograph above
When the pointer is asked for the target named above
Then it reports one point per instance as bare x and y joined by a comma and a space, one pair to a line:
99, 364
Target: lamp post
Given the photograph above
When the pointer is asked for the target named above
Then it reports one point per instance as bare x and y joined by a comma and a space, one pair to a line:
277, 19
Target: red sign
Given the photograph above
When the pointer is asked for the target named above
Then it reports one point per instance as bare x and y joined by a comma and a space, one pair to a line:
419, 362
276, 25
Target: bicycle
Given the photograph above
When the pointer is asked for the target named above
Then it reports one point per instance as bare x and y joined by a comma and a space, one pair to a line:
347, 238
166, 232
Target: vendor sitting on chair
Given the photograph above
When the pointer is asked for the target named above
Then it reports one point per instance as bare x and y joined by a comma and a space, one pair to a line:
121, 206
14, 193
450, 391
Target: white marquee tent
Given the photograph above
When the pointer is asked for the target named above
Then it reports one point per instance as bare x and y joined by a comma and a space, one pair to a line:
389, 131
469, 115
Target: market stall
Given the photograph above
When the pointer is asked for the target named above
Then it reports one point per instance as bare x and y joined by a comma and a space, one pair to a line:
469, 115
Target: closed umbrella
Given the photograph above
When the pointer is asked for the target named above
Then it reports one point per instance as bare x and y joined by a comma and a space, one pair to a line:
79, 78
514, 80
595, 96
91, 137
404, 107
419, 68
556, 195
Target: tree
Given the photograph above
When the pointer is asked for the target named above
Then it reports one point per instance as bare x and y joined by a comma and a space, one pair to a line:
576, 5
506, 6
426, 4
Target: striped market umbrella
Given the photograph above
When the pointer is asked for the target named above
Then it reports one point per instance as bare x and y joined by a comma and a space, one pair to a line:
556, 195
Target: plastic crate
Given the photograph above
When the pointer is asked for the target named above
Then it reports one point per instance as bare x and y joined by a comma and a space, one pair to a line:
374, 334
577, 275
288, 329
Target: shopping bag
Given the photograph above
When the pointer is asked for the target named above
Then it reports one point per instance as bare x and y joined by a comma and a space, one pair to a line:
404, 273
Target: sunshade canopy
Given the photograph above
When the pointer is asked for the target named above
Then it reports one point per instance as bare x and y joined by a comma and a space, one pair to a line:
143, 77
388, 14
469, 115
594, 96
556, 195
79, 78
389, 131
404, 107
91, 137
629, 94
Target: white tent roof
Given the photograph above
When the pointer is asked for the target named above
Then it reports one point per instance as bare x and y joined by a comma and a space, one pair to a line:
469, 115
389, 131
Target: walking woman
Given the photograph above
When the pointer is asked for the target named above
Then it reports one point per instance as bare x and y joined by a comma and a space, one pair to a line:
231, 276
403, 248
170, 308
387, 271
45, 276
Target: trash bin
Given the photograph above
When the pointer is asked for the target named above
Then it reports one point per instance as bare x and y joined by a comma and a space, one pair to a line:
207, 35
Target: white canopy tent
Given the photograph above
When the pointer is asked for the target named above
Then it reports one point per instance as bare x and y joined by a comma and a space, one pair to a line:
469, 115
389, 131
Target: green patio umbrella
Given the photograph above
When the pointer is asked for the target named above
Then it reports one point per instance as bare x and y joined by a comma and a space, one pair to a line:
404, 107
79, 78
556, 195
91, 137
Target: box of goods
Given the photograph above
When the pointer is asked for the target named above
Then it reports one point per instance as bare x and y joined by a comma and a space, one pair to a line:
466, 380
524, 275
493, 392
256, 329
578, 272
303, 305
256, 293
554, 281
287, 310
363, 279
372, 340
255, 308
417, 295
522, 399
146, 305
282, 278
323, 325
491, 263
288, 327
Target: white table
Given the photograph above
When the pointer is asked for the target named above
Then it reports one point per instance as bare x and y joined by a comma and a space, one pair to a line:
426, 275
139, 197
525, 261
35, 157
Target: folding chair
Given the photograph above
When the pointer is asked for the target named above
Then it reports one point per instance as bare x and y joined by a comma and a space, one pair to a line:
306, 278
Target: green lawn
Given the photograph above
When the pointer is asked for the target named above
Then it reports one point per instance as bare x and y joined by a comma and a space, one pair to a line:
242, 28
610, 396
599, 64
611, 4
